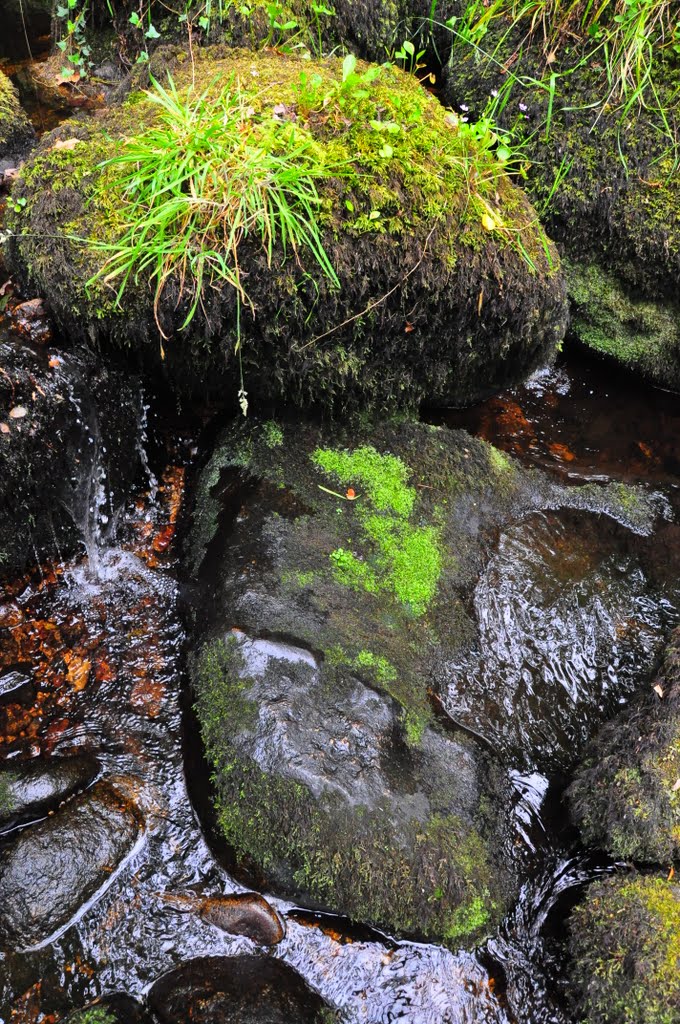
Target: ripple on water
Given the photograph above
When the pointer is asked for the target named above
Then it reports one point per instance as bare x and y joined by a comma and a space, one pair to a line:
569, 622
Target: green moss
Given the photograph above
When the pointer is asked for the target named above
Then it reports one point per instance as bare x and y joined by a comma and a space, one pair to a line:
95, 1015
640, 335
625, 940
6, 798
15, 129
273, 434
401, 558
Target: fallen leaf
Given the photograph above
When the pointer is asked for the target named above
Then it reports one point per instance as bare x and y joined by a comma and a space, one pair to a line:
480, 300
18, 412
676, 786
671, 874
488, 222
54, 362
658, 690
350, 493
4, 428
66, 143
409, 327
78, 670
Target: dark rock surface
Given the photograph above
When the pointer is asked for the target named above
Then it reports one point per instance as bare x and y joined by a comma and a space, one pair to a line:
33, 788
238, 990
49, 871
69, 436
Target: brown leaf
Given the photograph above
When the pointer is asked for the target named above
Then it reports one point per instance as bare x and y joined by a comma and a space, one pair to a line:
78, 670
18, 412
66, 143
4, 428
676, 786
658, 690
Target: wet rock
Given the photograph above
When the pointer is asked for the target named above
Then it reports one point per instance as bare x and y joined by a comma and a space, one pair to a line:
48, 872
625, 797
625, 949
237, 990
111, 1010
33, 788
334, 624
16, 133
245, 913
470, 316
69, 448
15, 685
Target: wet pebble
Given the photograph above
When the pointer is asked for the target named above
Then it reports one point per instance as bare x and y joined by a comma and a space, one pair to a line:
246, 914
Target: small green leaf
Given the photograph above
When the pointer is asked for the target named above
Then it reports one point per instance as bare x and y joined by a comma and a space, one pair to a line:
348, 66
152, 33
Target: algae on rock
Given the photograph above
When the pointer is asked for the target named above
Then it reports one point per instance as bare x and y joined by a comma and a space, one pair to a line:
431, 305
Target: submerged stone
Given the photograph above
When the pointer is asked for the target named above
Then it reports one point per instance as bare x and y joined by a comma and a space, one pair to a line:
625, 949
334, 626
236, 990
115, 1009
625, 797
245, 913
439, 285
33, 788
49, 871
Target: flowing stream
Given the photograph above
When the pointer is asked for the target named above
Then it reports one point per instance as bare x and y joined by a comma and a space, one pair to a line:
91, 663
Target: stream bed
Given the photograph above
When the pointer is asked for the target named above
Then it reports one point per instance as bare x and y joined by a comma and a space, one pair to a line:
92, 677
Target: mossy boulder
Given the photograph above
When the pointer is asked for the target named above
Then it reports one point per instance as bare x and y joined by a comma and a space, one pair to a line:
603, 180
434, 301
642, 335
117, 1009
333, 577
626, 796
16, 132
625, 948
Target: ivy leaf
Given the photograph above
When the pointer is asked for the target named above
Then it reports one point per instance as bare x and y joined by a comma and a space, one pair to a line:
152, 33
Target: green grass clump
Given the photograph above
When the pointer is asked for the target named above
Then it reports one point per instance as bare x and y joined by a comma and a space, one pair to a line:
206, 176
404, 558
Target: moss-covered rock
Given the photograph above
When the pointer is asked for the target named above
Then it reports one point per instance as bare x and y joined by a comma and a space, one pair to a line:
626, 796
625, 947
334, 576
432, 304
612, 320
603, 180
16, 132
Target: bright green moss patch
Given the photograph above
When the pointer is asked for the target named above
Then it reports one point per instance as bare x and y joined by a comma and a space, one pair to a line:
625, 943
402, 558
95, 1015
